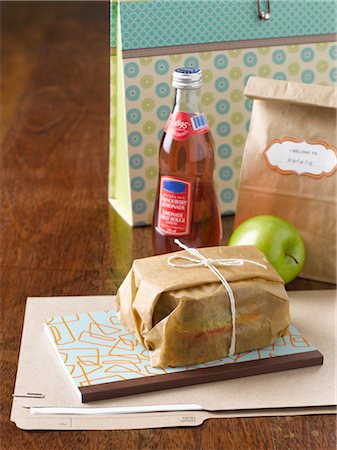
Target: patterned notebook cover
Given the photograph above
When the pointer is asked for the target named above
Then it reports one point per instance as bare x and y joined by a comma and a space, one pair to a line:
95, 348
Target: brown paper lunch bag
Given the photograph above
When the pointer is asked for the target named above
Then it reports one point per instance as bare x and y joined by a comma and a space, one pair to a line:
289, 165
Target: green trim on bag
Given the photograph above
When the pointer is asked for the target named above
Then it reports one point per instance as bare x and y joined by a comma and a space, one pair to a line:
113, 23
113, 124
161, 23
119, 178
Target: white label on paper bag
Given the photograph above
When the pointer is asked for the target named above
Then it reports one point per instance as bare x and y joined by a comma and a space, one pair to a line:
314, 159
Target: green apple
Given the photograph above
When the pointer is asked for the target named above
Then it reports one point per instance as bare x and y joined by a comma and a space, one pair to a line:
278, 239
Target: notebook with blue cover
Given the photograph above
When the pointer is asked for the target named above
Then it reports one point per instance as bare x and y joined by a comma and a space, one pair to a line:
103, 360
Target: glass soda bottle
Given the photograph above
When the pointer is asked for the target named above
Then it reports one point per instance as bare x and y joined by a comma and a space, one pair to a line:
186, 206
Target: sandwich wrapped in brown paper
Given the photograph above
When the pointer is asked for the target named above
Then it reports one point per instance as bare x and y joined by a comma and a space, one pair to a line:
289, 166
182, 315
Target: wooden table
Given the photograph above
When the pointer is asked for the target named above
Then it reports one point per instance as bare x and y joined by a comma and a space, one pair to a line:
59, 235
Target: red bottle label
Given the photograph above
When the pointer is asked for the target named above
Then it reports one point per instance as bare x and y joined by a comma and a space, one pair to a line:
181, 125
175, 206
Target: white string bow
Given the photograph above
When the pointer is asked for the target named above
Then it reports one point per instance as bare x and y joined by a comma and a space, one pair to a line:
201, 260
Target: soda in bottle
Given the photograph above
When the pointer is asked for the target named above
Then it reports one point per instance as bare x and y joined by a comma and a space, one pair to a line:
186, 206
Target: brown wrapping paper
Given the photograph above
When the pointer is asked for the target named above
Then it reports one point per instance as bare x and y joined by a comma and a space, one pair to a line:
182, 315
305, 114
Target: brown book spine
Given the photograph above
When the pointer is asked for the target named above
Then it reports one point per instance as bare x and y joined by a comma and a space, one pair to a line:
198, 376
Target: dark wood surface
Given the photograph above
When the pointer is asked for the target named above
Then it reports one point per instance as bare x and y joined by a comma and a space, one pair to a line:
58, 234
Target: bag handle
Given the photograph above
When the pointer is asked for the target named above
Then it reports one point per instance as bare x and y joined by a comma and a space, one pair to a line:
261, 14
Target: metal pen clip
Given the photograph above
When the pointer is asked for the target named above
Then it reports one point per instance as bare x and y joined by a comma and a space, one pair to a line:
263, 15
29, 395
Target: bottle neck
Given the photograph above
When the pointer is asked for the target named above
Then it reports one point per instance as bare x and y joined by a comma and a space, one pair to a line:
187, 100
